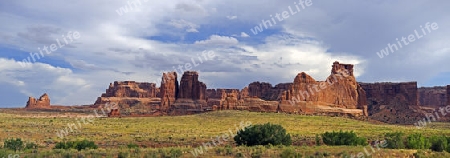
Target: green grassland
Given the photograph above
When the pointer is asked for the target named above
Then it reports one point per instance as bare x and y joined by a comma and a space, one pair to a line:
156, 135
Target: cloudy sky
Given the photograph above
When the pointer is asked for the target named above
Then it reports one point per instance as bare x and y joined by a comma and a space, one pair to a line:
142, 40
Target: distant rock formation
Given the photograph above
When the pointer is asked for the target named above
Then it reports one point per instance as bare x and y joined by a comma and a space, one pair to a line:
339, 95
393, 102
191, 88
169, 90
433, 96
265, 90
42, 103
386, 93
191, 97
131, 96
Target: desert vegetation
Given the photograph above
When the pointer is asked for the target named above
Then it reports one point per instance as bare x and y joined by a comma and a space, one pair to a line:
177, 136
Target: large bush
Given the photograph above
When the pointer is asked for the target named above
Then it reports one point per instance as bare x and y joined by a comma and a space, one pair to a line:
417, 141
79, 145
14, 144
343, 138
438, 143
263, 135
394, 140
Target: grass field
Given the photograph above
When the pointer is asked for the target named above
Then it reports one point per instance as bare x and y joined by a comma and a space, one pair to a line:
162, 134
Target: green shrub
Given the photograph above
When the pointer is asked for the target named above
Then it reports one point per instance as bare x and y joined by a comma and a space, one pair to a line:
79, 145
343, 138
438, 143
31, 145
263, 135
417, 141
132, 146
394, 140
317, 139
175, 153
122, 155
290, 153
14, 144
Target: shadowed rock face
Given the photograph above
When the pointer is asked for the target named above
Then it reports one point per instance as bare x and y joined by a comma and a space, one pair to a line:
448, 94
393, 102
385, 93
432, 96
265, 90
191, 88
191, 97
42, 103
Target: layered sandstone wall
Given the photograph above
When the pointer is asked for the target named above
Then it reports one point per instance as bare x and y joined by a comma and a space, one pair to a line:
340, 90
339, 94
387, 92
266, 91
42, 103
393, 102
191, 97
128, 92
433, 96
191, 88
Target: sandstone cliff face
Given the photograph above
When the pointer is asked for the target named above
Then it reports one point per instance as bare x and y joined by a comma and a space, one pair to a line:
340, 94
393, 102
258, 89
131, 89
225, 99
191, 97
385, 93
169, 89
128, 92
266, 91
432, 96
448, 94
340, 90
42, 103
191, 88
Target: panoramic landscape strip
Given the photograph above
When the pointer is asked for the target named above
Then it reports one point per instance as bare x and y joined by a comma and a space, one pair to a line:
186, 79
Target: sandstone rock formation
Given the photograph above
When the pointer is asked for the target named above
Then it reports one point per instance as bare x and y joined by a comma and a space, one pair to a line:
42, 103
338, 95
191, 97
131, 97
191, 88
169, 90
258, 89
114, 113
432, 96
339, 91
265, 90
393, 102
226, 99
379, 94
448, 94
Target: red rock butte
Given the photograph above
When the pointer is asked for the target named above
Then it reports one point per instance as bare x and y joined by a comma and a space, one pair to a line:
42, 103
339, 95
